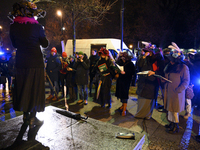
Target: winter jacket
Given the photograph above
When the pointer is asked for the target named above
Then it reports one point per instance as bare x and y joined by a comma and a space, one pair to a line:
93, 59
70, 76
124, 80
174, 94
11, 66
147, 85
53, 67
82, 71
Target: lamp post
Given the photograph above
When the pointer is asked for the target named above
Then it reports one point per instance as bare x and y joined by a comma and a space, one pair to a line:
1, 40
59, 13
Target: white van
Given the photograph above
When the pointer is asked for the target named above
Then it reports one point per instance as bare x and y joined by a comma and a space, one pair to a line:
87, 45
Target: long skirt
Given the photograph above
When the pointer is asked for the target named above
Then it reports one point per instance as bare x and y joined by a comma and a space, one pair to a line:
29, 90
145, 108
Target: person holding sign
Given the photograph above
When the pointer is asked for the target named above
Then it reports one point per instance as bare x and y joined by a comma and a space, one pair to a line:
105, 71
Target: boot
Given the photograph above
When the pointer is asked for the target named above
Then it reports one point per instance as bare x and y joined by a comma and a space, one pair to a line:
49, 97
85, 102
124, 109
169, 125
35, 122
121, 108
34, 126
174, 128
80, 101
54, 98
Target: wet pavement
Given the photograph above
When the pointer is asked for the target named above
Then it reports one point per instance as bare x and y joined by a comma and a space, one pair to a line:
155, 135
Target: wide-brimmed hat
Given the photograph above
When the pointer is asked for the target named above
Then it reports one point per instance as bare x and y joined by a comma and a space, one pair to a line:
176, 54
103, 51
26, 9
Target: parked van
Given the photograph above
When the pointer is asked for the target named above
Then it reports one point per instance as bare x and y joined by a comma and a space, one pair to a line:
87, 45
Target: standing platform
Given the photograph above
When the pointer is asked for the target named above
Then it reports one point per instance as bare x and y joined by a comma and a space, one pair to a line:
63, 133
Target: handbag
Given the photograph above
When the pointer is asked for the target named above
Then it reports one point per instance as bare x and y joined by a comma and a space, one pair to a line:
189, 93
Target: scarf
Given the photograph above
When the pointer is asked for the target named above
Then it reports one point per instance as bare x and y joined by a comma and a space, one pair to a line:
21, 20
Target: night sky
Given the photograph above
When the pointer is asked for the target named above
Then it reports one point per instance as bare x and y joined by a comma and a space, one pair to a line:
143, 23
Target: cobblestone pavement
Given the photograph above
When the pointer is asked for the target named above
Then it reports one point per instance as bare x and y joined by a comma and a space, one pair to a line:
156, 136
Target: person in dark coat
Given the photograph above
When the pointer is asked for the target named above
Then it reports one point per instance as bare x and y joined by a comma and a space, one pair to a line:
104, 71
124, 80
27, 35
12, 69
5, 71
93, 59
147, 86
82, 66
52, 68
70, 79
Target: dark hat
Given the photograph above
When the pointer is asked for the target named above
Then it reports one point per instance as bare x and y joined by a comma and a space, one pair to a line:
147, 50
165, 50
124, 56
103, 51
71, 56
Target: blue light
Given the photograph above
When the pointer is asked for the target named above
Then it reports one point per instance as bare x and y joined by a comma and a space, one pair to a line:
1, 53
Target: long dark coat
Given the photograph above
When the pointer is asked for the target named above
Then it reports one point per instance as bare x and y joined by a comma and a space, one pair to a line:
106, 78
174, 97
82, 71
147, 85
124, 80
70, 76
29, 86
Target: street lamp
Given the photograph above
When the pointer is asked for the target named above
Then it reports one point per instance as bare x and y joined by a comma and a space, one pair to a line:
59, 13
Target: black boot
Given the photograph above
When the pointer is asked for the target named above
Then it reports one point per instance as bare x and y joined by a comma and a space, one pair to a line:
174, 128
169, 125
35, 122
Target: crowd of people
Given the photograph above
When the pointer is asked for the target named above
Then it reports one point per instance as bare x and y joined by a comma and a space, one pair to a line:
169, 70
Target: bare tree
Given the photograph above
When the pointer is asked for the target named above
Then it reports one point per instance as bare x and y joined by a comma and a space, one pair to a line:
78, 11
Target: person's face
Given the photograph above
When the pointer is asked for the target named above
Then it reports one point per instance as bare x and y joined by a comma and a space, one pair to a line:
71, 59
94, 53
64, 57
103, 56
53, 53
80, 56
142, 52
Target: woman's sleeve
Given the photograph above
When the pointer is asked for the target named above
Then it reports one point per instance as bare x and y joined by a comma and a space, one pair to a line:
185, 80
